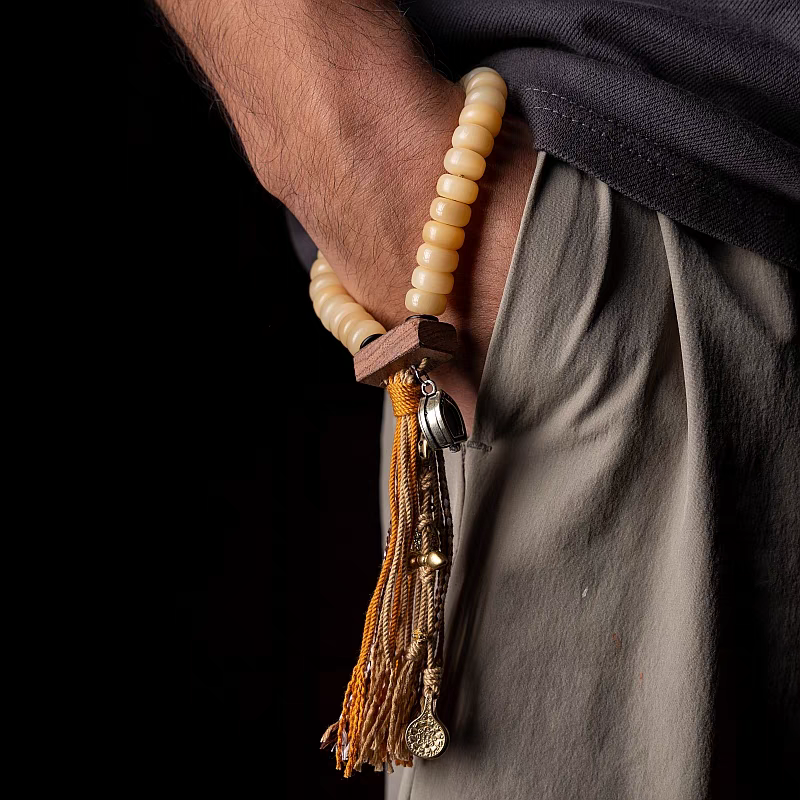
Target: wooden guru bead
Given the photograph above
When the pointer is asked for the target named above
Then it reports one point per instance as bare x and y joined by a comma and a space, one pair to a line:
404, 345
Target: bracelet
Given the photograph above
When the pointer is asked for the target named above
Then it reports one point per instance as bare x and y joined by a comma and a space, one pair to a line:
399, 668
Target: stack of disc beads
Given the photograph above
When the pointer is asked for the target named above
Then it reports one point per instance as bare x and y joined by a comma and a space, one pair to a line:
465, 162
347, 320
437, 257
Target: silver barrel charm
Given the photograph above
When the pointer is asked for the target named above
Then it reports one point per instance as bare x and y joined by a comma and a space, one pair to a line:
439, 417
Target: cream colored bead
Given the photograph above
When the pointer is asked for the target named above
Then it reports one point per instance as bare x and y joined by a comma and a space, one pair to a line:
466, 163
436, 258
455, 188
320, 266
473, 72
483, 115
348, 321
473, 137
487, 77
360, 331
325, 294
421, 302
446, 236
320, 256
430, 281
340, 312
451, 212
319, 305
331, 306
322, 282
488, 95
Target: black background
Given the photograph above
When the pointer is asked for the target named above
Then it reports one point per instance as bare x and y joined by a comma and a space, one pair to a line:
263, 459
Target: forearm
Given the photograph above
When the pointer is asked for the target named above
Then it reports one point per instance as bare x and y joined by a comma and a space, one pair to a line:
292, 72
336, 109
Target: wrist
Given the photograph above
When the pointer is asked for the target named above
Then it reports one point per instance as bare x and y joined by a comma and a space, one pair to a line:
366, 205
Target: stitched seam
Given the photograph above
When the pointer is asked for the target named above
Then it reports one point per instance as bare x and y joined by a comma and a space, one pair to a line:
687, 179
613, 141
487, 448
782, 146
588, 110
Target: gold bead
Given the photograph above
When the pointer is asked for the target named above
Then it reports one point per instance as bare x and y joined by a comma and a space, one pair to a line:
435, 560
432, 560
424, 448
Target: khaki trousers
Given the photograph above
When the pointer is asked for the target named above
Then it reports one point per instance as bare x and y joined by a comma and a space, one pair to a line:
623, 617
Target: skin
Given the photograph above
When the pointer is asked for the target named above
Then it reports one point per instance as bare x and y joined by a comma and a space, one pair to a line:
345, 122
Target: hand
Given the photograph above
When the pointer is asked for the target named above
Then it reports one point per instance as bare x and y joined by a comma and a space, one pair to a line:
346, 123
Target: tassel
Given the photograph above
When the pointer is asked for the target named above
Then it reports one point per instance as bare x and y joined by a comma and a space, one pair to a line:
401, 648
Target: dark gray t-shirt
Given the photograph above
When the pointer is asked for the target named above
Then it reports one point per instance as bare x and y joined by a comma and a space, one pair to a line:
690, 108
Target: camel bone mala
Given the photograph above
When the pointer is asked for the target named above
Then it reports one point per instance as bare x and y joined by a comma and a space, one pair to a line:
389, 710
